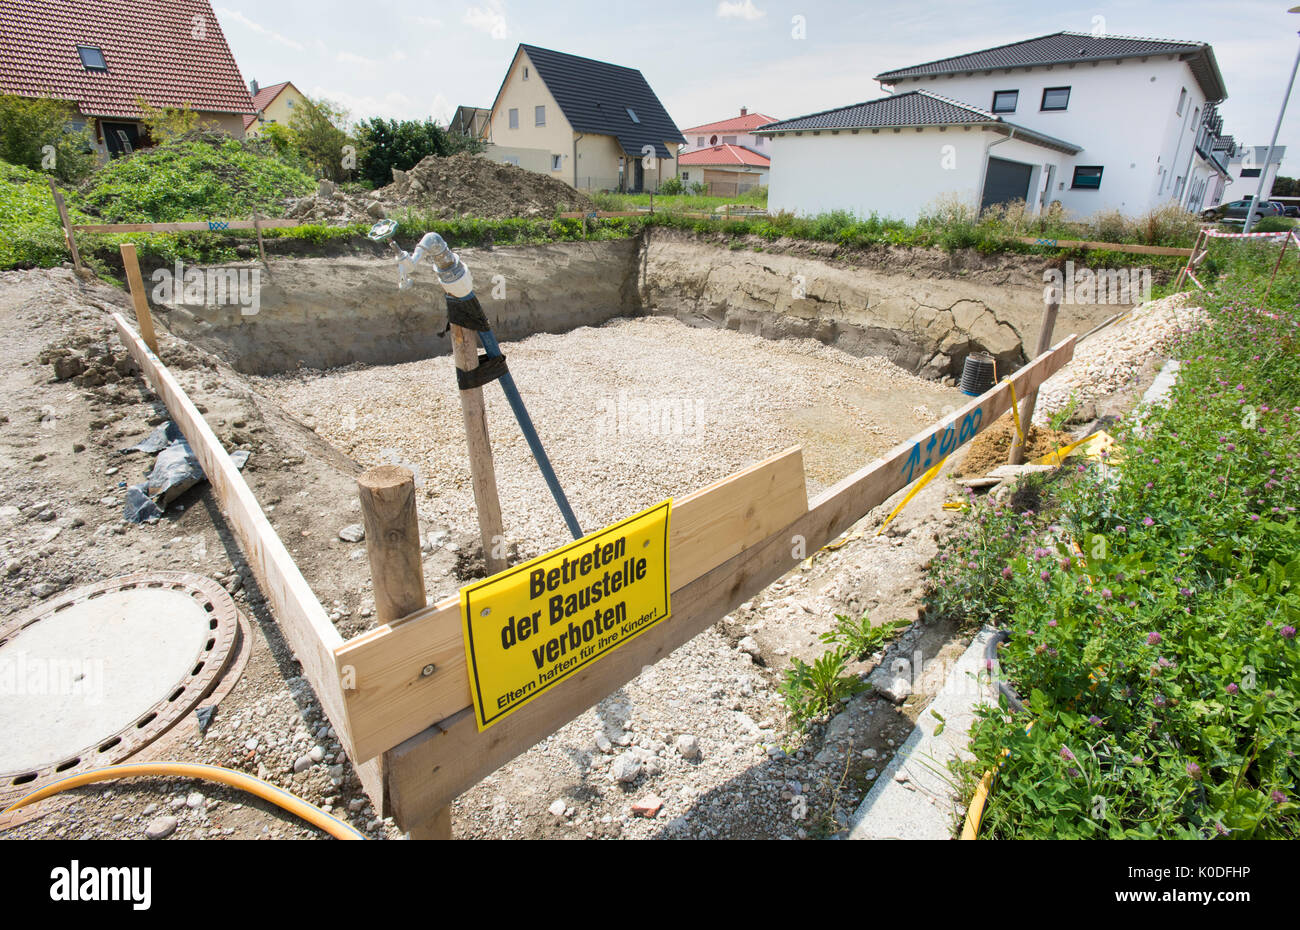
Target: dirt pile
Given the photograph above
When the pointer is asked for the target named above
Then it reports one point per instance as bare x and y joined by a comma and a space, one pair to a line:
989, 449
467, 185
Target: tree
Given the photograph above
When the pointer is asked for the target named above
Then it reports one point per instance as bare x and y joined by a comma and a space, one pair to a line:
319, 130
388, 144
1286, 187
163, 123
37, 133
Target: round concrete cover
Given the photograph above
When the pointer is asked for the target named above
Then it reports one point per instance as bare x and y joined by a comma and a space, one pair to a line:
81, 675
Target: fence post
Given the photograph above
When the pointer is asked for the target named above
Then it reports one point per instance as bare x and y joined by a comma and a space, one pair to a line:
1017, 455
393, 546
131, 265
67, 228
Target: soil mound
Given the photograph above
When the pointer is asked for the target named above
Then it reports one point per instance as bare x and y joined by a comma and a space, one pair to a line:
468, 185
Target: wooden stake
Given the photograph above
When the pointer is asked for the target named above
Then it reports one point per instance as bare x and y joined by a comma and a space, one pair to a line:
1017, 455
67, 226
136, 283
1280, 255
393, 545
258, 226
482, 474
392, 541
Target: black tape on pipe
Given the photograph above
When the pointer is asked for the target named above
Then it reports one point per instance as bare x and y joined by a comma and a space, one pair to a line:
490, 367
467, 312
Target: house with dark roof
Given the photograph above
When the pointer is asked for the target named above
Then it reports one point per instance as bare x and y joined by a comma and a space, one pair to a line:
1093, 123
103, 56
595, 125
272, 105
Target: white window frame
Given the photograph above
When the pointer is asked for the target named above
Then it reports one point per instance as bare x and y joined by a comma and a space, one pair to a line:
539, 115
513, 115
557, 162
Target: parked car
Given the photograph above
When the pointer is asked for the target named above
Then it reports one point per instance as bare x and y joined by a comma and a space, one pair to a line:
1236, 211
1288, 209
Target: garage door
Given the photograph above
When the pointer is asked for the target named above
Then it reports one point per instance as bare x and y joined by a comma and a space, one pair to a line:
1005, 181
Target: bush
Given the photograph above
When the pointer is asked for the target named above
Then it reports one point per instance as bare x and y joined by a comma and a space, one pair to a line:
387, 144
671, 187
318, 130
167, 122
35, 133
1273, 224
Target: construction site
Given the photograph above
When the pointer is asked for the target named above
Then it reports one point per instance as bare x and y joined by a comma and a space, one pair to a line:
339, 478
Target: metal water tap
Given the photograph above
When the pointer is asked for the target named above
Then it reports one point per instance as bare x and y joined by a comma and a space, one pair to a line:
455, 278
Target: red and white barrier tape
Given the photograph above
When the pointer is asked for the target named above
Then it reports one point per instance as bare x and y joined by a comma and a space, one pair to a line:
1268, 235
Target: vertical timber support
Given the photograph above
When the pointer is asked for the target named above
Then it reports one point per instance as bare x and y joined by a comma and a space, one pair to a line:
67, 228
1017, 455
393, 546
482, 473
142, 316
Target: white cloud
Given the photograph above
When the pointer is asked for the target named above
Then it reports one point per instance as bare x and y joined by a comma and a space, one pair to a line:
739, 9
259, 28
490, 19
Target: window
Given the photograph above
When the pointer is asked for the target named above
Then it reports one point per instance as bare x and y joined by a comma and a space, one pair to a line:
525, 74
686, 175
699, 140
1004, 101
1250, 172
1056, 98
1178, 187
514, 119
632, 114
557, 162
539, 116
288, 102
92, 58
1087, 177
1196, 118
728, 140
1182, 100
713, 140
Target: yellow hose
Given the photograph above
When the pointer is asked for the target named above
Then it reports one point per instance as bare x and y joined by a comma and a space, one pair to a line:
264, 790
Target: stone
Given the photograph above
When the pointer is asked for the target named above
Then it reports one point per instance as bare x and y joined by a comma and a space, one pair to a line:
375, 209
194, 800
688, 746
353, 533
44, 589
626, 769
301, 764
603, 743
749, 646
648, 807
894, 682
557, 808
317, 754
161, 827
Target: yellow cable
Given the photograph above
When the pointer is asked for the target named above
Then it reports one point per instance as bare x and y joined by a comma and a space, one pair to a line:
264, 790
916, 488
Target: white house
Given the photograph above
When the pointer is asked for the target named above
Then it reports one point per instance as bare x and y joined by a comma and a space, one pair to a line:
1246, 166
1094, 122
736, 130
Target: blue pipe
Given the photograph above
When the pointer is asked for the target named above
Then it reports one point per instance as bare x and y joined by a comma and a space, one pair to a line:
493, 350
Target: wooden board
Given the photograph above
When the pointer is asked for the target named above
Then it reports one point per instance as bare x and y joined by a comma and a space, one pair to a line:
301, 618
1112, 246
213, 226
429, 770
67, 225
386, 694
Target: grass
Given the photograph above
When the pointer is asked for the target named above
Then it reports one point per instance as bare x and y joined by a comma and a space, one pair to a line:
690, 203
1158, 661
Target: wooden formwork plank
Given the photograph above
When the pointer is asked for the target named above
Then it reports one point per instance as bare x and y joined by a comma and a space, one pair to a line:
204, 226
429, 770
1111, 246
389, 698
301, 618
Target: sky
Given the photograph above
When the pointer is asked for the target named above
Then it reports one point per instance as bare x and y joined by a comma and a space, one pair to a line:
705, 59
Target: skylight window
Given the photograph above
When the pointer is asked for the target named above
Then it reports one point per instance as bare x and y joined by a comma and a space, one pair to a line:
632, 114
92, 59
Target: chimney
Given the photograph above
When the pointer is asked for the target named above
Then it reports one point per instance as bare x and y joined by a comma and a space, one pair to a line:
252, 87
744, 111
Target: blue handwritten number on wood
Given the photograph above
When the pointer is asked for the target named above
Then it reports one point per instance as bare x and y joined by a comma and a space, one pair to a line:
971, 424
913, 459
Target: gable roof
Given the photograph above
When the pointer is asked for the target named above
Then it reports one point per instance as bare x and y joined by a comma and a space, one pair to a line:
595, 97
911, 109
149, 46
1070, 47
747, 123
725, 154
262, 99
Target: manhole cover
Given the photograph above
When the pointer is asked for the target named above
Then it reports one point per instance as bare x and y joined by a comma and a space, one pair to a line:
88, 678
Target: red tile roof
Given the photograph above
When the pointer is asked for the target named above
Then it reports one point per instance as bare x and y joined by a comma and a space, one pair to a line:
746, 123
262, 99
728, 155
168, 52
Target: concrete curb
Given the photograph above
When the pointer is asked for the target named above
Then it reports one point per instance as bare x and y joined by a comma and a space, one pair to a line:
915, 797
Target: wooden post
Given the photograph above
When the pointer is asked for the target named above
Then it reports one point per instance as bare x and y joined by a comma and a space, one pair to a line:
67, 227
1280, 255
258, 226
1191, 260
136, 283
393, 545
482, 474
1017, 455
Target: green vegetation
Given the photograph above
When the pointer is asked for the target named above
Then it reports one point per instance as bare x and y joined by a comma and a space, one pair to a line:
197, 176
35, 134
859, 637
676, 198
318, 130
29, 224
1158, 661
813, 690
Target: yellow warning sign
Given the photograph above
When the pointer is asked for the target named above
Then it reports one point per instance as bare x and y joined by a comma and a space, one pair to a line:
534, 625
